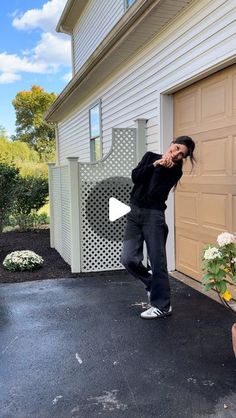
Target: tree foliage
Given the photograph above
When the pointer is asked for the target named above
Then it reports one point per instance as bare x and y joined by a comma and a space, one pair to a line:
30, 107
22, 156
17, 152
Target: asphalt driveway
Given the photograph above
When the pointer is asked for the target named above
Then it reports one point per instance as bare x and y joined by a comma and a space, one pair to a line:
77, 348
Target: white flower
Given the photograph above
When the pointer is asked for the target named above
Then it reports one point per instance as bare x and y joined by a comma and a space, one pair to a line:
226, 238
22, 260
212, 253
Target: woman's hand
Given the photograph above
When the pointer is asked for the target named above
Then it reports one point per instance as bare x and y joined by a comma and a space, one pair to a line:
165, 161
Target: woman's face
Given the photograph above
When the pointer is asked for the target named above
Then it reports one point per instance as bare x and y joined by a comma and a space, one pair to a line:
177, 152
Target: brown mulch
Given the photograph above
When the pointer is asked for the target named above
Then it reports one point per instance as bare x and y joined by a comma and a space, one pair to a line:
37, 240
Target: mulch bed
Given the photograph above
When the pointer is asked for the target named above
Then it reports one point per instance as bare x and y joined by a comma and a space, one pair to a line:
37, 240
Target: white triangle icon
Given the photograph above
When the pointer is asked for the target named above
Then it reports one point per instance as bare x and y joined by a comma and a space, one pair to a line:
117, 209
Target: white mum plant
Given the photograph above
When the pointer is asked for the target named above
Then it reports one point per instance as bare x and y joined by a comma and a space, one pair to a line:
219, 265
22, 260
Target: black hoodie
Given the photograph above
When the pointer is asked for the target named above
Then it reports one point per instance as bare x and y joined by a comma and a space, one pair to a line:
153, 184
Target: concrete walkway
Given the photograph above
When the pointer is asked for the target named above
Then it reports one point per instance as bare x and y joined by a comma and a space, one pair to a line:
77, 348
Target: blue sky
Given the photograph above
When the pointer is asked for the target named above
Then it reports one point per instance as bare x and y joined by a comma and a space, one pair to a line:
31, 52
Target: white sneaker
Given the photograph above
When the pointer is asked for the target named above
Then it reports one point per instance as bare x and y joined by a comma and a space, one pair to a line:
154, 312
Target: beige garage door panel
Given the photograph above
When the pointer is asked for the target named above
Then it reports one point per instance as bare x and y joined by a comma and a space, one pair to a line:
205, 201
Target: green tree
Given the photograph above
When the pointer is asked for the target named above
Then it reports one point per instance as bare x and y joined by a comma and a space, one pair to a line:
31, 127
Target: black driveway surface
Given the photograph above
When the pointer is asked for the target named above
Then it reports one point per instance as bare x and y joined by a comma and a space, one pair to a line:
77, 348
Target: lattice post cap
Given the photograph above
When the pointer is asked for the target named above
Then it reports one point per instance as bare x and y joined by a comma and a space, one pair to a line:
72, 158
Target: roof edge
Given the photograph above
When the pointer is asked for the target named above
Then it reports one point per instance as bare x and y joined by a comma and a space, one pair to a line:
123, 26
70, 15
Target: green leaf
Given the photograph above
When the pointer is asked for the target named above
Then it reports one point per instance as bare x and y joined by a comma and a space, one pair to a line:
209, 286
207, 277
220, 274
221, 287
215, 268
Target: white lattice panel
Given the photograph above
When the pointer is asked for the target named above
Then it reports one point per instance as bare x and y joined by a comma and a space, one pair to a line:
56, 196
101, 240
65, 210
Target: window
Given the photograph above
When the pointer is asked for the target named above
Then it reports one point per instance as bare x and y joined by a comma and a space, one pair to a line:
95, 132
128, 3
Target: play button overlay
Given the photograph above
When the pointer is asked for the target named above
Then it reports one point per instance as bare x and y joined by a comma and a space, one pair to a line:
117, 209
106, 203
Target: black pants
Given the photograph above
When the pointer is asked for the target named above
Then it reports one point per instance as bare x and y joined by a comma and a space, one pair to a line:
147, 225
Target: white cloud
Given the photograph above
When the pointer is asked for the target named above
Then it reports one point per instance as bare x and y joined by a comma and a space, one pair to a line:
67, 77
51, 51
46, 57
45, 18
11, 63
54, 50
49, 54
7, 78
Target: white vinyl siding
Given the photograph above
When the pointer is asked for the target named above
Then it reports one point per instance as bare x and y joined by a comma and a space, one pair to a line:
97, 19
202, 36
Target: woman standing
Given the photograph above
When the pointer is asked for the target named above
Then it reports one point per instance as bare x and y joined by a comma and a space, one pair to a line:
153, 179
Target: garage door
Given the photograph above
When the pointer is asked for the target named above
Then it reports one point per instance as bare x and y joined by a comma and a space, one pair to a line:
205, 202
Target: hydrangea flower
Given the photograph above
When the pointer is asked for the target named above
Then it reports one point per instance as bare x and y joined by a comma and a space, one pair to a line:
219, 266
212, 253
226, 238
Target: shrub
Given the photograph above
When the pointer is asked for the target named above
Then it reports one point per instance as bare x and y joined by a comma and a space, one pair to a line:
31, 194
9, 176
26, 221
219, 265
22, 260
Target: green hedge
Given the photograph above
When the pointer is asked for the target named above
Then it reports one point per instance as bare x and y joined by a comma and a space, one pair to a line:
21, 197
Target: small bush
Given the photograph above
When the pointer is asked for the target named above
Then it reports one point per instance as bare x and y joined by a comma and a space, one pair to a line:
31, 194
22, 260
24, 222
9, 176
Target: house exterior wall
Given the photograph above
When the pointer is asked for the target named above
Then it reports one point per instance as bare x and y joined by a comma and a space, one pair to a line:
200, 37
96, 20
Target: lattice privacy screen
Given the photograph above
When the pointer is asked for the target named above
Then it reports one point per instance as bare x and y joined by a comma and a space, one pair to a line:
101, 240
61, 209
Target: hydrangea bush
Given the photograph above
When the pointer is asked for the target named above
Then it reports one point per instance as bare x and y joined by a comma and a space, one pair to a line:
22, 260
219, 265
